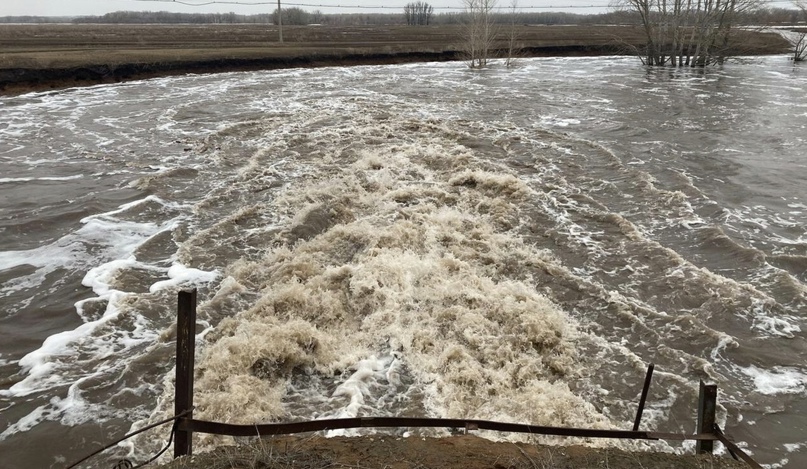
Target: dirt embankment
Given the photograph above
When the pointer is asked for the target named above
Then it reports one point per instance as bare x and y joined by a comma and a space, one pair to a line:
458, 452
38, 57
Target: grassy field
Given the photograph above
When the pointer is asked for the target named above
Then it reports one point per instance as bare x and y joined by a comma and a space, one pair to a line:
53, 56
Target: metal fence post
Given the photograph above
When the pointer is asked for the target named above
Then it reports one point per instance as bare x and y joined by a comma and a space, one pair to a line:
707, 406
186, 345
648, 377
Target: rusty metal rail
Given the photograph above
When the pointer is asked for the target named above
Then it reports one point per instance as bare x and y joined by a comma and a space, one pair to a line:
735, 450
216, 428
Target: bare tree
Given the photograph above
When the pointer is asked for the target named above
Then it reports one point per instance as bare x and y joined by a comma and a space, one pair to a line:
317, 17
418, 13
513, 48
691, 33
799, 37
479, 31
291, 16
409, 13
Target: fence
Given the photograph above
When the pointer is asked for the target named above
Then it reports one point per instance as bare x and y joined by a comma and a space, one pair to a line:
185, 425
708, 431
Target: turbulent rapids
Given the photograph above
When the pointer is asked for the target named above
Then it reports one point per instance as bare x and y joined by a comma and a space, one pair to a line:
422, 240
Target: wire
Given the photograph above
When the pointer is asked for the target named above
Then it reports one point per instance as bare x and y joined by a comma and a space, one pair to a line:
175, 418
386, 7
165, 448
359, 7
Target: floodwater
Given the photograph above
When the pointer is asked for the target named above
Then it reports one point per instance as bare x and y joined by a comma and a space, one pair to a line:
417, 240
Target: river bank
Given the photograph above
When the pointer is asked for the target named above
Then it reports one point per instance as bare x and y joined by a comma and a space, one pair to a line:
466, 452
40, 57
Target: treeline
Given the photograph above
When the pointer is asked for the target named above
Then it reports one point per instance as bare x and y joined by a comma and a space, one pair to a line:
35, 19
771, 16
166, 17
297, 16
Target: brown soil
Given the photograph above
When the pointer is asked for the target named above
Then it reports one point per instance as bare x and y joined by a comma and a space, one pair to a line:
460, 452
46, 56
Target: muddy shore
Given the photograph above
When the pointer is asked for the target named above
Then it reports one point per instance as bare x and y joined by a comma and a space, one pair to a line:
460, 452
48, 56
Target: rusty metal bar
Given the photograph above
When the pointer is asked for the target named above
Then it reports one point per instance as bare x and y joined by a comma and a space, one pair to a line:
707, 407
186, 346
216, 428
648, 377
734, 449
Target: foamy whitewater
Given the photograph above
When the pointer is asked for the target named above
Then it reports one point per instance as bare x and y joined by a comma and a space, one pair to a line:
419, 240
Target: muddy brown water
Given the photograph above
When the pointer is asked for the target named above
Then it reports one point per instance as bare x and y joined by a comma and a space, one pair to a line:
418, 240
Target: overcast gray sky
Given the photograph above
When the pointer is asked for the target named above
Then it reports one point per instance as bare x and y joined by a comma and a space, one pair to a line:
99, 7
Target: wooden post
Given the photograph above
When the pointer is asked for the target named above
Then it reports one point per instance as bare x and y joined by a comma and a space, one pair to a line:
280, 20
707, 407
186, 346
643, 399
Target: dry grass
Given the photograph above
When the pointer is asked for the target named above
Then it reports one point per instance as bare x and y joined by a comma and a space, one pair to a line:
36, 57
465, 452
53, 46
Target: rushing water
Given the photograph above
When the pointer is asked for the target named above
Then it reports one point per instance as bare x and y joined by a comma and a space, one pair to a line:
419, 240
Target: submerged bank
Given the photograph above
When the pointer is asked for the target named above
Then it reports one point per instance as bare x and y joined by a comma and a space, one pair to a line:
21, 80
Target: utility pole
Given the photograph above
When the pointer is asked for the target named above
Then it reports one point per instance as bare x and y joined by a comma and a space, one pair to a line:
280, 20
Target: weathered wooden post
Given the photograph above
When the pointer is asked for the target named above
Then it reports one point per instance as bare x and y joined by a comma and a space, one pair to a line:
643, 399
707, 407
280, 21
186, 346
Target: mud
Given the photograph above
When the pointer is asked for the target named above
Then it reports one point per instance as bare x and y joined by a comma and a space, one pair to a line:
466, 452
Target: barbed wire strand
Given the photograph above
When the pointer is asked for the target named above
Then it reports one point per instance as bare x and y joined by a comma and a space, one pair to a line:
358, 7
165, 448
174, 419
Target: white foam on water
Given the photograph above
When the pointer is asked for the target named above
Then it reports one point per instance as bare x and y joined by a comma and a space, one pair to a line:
100, 237
41, 178
41, 368
101, 278
180, 274
129, 206
693, 223
356, 388
801, 240
13, 150
18, 129
778, 380
777, 465
71, 410
75, 356
765, 321
79, 250
555, 121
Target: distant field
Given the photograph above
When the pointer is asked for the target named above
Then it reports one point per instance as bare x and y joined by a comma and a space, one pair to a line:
27, 46
47, 55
